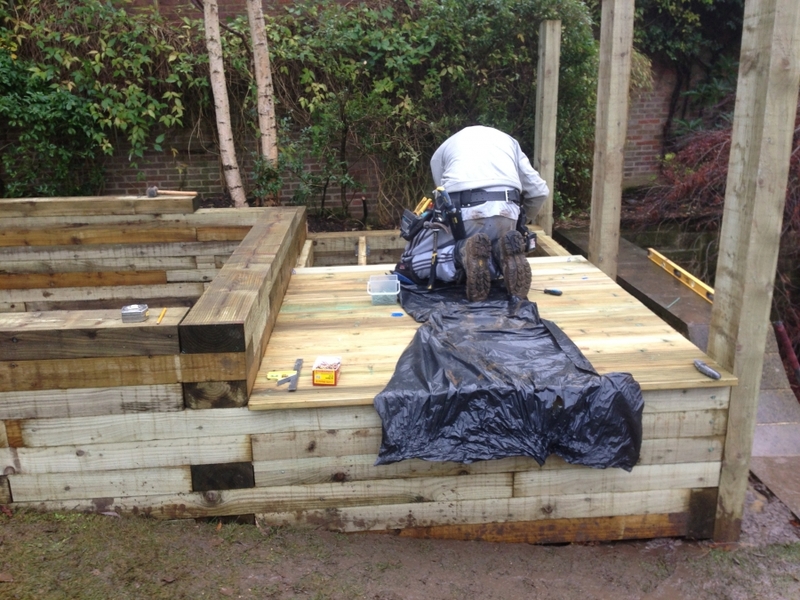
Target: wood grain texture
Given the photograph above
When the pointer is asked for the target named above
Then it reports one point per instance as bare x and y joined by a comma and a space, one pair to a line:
219, 320
21, 281
105, 484
611, 124
123, 252
99, 265
26, 375
134, 233
130, 294
93, 205
544, 143
89, 402
750, 236
215, 394
559, 531
499, 510
101, 456
82, 334
327, 311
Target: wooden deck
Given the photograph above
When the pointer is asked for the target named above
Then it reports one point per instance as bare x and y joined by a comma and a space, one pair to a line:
327, 311
326, 453
96, 415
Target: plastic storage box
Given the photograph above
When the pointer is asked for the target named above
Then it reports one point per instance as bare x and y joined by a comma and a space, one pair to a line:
383, 289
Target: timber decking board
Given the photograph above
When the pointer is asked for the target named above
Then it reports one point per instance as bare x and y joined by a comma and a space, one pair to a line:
613, 330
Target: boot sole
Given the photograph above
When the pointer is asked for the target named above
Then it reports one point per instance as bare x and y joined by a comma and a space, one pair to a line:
478, 251
516, 269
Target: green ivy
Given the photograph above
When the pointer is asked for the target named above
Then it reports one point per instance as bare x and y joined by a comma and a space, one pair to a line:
359, 87
86, 73
392, 82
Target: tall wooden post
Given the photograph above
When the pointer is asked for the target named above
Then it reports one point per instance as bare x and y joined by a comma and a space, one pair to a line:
611, 127
764, 117
544, 145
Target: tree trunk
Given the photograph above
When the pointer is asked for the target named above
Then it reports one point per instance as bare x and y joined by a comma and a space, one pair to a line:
230, 167
263, 74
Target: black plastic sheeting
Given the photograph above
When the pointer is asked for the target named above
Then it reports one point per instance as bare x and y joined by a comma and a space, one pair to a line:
492, 380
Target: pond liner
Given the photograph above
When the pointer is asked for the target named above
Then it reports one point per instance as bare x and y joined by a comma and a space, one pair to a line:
490, 380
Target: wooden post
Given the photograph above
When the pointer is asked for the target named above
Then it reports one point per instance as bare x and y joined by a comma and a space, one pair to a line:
544, 145
764, 117
616, 39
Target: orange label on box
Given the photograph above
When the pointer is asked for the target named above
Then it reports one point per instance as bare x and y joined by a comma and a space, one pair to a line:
326, 370
326, 377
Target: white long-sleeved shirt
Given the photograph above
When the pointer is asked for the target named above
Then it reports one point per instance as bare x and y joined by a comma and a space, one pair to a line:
485, 158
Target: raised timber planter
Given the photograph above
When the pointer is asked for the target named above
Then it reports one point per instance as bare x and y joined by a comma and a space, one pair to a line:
100, 416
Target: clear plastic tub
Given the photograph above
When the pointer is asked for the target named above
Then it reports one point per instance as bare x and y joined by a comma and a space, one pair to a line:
383, 289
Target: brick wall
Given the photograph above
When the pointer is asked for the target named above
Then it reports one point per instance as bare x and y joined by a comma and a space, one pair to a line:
647, 115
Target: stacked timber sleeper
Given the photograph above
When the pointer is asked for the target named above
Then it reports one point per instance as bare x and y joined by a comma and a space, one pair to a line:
77, 370
132, 445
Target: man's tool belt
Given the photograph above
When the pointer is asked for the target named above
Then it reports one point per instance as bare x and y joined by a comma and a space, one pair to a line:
475, 197
411, 224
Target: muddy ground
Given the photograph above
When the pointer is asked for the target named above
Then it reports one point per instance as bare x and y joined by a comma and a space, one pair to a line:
87, 557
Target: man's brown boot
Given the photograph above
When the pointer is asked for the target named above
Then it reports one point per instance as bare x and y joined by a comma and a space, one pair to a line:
516, 269
477, 252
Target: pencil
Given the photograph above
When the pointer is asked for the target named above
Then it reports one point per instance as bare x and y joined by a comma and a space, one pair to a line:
161, 316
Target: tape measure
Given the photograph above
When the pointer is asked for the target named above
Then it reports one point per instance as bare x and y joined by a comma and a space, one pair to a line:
280, 374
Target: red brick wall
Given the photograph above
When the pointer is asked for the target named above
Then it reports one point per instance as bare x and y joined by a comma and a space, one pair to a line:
647, 115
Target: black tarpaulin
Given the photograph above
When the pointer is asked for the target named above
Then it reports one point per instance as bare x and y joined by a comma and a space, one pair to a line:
492, 380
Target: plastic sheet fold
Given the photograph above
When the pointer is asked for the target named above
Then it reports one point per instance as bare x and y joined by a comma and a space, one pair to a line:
492, 380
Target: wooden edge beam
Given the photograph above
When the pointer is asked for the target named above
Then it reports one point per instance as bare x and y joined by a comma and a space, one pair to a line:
558, 531
178, 203
86, 334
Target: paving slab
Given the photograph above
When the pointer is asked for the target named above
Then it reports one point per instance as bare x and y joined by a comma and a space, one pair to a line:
780, 475
777, 439
778, 406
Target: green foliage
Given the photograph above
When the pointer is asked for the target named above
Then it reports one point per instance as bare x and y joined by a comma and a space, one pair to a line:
391, 82
54, 152
686, 31
85, 73
365, 91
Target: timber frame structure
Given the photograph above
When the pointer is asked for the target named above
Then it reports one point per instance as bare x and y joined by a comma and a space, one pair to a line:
177, 417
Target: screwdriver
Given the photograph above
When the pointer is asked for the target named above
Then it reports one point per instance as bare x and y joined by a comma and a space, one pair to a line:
548, 291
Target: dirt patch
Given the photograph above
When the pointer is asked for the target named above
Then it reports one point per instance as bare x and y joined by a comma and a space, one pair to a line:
60, 556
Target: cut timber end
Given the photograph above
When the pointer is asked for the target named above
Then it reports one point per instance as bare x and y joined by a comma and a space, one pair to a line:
211, 338
215, 394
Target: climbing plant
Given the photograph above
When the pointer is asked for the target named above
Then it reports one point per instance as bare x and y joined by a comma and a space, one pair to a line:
387, 82
75, 77
362, 90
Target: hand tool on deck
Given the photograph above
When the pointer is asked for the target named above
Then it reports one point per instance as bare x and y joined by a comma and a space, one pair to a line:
154, 192
550, 291
292, 379
706, 370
